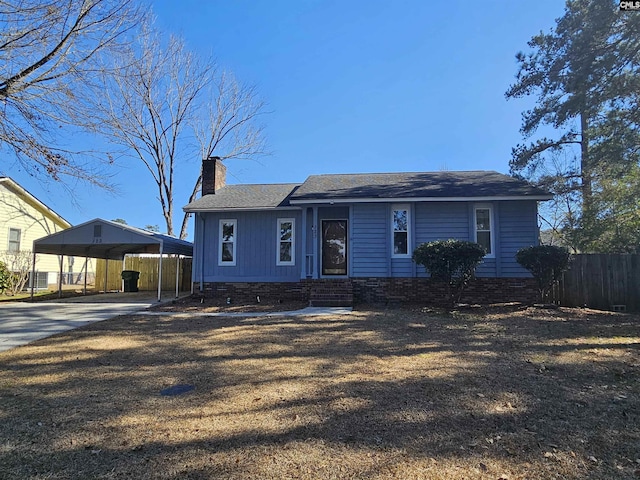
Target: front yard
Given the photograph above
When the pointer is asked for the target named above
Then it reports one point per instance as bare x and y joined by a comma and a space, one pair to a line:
525, 394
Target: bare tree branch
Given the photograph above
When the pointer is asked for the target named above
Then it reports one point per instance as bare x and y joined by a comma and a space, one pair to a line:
52, 51
149, 104
229, 128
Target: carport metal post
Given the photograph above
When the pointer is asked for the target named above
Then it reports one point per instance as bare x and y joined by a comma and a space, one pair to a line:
124, 262
86, 259
160, 271
60, 277
177, 273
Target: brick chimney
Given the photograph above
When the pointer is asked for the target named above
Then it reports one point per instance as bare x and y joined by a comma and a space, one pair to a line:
214, 175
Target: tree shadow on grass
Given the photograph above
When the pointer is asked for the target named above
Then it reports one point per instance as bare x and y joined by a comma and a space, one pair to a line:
373, 395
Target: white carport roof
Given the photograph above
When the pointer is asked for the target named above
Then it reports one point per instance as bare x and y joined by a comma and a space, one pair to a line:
110, 240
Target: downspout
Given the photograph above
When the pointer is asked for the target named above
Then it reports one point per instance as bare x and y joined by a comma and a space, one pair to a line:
317, 262
201, 259
196, 232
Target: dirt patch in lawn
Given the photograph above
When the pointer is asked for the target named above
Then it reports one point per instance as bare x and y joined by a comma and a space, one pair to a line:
403, 393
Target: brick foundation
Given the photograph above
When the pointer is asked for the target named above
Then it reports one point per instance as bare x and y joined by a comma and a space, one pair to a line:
377, 290
244, 292
425, 291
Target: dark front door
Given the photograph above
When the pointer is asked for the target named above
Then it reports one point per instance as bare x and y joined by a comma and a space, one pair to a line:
334, 247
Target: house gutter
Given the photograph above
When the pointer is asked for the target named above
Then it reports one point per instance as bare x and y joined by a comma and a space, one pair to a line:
331, 201
239, 209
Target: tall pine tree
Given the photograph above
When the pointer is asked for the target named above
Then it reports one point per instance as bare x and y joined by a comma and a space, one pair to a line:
585, 77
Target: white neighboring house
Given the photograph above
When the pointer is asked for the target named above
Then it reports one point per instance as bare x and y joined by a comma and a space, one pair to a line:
23, 219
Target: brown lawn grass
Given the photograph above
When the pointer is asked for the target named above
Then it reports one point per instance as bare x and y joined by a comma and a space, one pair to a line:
533, 394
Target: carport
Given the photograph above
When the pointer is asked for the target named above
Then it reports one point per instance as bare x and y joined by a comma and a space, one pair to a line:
111, 241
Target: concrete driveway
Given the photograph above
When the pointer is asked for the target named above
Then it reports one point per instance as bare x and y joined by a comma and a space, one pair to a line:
24, 322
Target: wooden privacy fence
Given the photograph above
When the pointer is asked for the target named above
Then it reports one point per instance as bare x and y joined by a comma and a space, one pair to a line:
148, 268
601, 281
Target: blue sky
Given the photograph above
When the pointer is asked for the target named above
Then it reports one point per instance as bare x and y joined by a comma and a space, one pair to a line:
353, 86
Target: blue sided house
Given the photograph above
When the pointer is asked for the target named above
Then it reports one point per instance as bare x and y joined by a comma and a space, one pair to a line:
336, 238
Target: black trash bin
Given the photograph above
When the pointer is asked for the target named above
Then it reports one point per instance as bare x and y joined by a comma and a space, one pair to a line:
130, 278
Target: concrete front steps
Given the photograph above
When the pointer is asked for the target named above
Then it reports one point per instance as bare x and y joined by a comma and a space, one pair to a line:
331, 293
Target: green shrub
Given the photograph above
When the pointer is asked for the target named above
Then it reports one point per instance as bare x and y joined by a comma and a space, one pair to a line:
5, 276
451, 261
546, 263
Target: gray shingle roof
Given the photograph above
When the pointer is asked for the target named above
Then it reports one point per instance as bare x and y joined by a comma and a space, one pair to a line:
244, 197
476, 184
392, 186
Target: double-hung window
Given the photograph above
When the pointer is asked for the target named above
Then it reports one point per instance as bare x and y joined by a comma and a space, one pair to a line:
400, 230
227, 245
286, 247
483, 216
14, 240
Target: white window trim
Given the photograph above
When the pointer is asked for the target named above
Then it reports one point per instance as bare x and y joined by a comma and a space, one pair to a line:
492, 230
19, 230
293, 242
407, 207
222, 263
